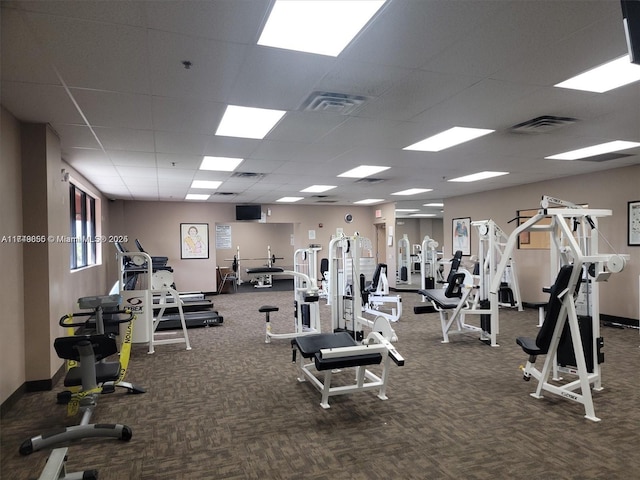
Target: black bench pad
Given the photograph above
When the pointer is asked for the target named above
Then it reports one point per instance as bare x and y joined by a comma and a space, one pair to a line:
439, 298
310, 346
265, 270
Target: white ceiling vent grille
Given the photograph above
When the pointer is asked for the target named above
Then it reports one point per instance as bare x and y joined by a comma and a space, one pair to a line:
327, 102
247, 175
543, 124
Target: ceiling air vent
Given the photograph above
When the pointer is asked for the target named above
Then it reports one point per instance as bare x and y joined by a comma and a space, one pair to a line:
327, 102
326, 201
247, 175
225, 194
543, 124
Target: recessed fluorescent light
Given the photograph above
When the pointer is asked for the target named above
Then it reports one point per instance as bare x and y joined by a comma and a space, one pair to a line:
448, 138
613, 74
407, 209
289, 199
600, 149
205, 184
422, 215
220, 164
412, 191
369, 200
363, 171
320, 27
196, 196
318, 188
478, 176
435, 204
247, 122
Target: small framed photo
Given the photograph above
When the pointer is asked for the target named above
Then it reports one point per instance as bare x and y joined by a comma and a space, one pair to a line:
194, 240
633, 223
461, 235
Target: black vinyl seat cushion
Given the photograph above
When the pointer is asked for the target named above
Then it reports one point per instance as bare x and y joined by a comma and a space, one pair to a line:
310, 346
540, 345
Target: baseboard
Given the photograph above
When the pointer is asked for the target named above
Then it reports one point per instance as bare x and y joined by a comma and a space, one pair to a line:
12, 400
30, 387
624, 321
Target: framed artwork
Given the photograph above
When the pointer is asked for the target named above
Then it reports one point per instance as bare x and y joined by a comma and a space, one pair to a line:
194, 240
633, 223
461, 235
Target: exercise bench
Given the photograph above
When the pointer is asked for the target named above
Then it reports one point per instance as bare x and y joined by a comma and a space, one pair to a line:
334, 351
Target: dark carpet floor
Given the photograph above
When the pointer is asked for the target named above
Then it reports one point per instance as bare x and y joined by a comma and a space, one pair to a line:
231, 408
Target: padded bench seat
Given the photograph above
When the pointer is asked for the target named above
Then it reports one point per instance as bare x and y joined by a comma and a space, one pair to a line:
310, 346
438, 296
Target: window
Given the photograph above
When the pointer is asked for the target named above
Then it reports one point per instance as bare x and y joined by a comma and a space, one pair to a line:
83, 228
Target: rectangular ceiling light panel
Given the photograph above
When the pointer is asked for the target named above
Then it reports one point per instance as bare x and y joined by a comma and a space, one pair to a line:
248, 122
363, 171
220, 164
448, 138
478, 176
196, 196
320, 27
594, 150
205, 184
412, 191
369, 201
289, 199
318, 188
613, 74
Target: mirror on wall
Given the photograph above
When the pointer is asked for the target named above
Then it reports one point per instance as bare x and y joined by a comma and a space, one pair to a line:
413, 222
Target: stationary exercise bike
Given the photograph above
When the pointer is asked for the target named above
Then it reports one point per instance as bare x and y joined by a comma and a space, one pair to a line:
85, 351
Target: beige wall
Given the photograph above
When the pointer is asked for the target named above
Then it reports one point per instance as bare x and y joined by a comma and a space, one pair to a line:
157, 226
610, 189
12, 344
40, 287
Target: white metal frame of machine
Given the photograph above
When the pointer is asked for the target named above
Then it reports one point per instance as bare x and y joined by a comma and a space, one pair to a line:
140, 301
574, 241
305, 293
345, 296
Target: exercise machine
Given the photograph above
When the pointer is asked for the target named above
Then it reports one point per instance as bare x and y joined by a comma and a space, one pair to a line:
259, 281
459, 297
324, 356
404, 260
376, 298
143, 298
56, 469
306, 308
84, 353
571, 339
346, 265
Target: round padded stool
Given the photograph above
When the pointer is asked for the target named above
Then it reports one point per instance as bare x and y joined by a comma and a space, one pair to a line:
266, 309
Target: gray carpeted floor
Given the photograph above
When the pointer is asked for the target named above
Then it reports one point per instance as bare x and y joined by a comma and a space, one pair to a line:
231, 408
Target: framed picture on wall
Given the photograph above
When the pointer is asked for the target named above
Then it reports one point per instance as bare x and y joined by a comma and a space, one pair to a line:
633, 223
194, 240
461, 235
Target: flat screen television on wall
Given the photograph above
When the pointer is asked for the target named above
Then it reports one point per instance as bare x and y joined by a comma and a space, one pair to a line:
248, 212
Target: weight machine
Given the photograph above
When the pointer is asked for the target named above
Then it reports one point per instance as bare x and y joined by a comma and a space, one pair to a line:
346, 264
404, 260
428, 263
573, 346
306, 306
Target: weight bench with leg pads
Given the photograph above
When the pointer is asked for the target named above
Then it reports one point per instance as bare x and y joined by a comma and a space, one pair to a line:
334, 351
450, 303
